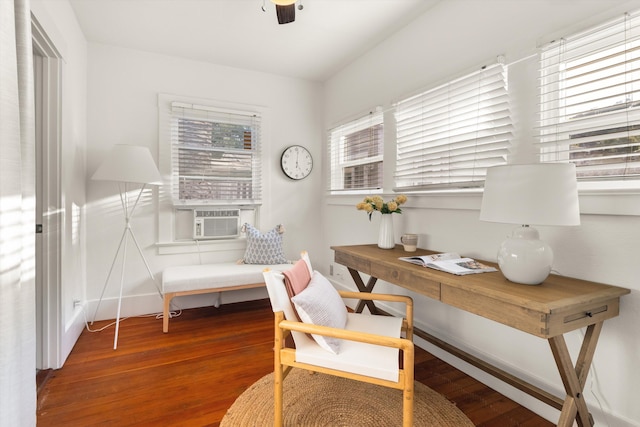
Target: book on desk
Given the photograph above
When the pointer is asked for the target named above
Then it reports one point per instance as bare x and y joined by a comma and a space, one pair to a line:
449, 262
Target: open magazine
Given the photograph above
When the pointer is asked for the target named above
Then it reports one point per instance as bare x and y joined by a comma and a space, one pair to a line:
449, 262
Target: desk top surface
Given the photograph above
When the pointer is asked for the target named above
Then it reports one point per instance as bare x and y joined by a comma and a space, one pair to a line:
555, 293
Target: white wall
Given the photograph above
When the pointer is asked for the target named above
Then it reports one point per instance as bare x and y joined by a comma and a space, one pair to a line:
59, 22
115, 101
123, 109
453, 38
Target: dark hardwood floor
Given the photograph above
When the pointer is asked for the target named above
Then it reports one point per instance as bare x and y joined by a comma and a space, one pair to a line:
192, 375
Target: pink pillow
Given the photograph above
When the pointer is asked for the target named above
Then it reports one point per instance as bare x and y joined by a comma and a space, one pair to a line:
297, 278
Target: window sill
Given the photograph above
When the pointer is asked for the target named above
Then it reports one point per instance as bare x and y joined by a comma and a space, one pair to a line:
592, 202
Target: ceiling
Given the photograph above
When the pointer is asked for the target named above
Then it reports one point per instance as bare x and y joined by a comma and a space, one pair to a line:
326, 35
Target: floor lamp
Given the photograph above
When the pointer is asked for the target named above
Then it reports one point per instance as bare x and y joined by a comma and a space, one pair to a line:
128, 166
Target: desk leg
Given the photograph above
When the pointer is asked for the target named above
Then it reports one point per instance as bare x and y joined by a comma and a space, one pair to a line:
574, 378
364, 288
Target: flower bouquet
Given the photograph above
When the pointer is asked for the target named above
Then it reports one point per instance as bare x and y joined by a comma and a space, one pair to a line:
376, 203
371, 204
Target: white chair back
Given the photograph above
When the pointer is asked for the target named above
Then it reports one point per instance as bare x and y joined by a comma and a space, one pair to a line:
280, 298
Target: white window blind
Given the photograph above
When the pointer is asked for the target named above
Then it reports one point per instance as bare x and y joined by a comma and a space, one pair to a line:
448, 136
215, 155
355, 153
589, 101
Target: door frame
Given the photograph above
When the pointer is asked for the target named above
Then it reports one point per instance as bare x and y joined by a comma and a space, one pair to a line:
49, 203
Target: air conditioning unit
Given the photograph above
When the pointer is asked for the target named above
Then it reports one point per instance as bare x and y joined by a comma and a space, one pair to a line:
216, 223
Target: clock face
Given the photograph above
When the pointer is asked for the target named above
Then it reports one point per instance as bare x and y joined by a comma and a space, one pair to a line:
296, 162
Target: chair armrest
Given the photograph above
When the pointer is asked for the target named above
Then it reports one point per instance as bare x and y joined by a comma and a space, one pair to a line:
376, 297
307, 328
408, 301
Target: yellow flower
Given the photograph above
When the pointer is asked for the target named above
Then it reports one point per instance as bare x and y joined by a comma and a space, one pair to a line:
364, 207
376, 203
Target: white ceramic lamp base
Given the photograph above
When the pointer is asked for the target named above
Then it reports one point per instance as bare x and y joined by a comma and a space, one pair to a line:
524, 258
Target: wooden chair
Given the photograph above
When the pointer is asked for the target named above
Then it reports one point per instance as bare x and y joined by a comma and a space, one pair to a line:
369, 346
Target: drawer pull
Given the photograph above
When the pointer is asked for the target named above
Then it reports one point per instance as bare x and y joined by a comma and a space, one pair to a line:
582, 315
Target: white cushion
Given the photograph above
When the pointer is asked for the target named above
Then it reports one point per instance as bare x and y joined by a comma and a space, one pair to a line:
211, 276
320, 304
361, 358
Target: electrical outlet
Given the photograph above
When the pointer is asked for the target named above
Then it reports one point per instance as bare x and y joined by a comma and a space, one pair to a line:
331, 270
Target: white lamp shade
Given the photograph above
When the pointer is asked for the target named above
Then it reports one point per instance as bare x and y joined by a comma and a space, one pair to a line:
533, 194
283, 2
129, 163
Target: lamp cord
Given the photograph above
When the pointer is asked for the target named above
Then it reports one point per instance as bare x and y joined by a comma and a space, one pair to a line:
172, 314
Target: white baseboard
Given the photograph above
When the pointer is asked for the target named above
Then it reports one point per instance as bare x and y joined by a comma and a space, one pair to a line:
138, 305
72, 330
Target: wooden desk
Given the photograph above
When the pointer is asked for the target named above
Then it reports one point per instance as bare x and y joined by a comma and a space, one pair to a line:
559, 305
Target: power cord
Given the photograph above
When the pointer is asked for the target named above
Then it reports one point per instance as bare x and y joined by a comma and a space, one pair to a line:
596, 393
172, 314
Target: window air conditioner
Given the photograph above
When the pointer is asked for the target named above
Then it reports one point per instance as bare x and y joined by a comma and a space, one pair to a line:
216, 223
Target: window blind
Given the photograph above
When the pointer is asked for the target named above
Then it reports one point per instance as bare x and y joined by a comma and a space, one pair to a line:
215, 155
448, 136
589, 101
356, 154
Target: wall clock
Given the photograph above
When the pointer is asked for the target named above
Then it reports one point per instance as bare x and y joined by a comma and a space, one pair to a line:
296, 162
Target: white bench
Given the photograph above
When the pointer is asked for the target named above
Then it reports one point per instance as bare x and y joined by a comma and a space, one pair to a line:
202, 279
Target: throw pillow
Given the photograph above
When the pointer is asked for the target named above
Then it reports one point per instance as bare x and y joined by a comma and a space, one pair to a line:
320, 304
264, 248
297, 278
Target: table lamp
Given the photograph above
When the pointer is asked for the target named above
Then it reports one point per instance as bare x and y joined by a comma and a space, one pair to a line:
127, 165
529, 194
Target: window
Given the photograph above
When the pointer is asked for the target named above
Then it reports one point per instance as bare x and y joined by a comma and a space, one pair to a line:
215, 155
355, 153
448, 136
589, 101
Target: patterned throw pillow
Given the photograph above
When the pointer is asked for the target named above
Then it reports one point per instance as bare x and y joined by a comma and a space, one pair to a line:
264, 248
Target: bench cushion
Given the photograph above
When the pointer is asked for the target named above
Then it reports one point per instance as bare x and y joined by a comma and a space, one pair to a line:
211, 276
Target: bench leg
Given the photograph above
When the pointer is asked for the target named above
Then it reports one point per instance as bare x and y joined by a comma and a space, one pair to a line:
165, 312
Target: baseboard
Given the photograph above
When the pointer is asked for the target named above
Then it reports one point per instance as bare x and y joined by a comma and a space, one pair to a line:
138, 305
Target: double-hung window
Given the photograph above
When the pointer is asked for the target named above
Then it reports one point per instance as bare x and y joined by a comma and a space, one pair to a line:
215, 155
589, 102
356, 153
449, 135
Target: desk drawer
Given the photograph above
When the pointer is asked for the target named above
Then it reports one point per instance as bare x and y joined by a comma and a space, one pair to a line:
542, 323
519, 317
407, 280
356, 263
562, 321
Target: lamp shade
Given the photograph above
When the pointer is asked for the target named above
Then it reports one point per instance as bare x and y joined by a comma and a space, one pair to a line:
532, 194
283, 2
129, 163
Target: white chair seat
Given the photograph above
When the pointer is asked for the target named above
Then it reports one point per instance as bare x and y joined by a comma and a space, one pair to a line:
357, 357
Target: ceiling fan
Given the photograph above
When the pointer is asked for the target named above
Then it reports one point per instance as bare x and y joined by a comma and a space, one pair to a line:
286, 10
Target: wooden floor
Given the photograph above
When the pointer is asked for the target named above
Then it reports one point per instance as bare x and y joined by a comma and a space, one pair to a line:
192, 375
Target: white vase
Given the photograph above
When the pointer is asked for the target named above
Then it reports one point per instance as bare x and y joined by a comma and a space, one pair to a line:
385, 236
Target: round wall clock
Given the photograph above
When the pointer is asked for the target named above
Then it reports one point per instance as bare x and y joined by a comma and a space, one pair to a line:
296, 162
